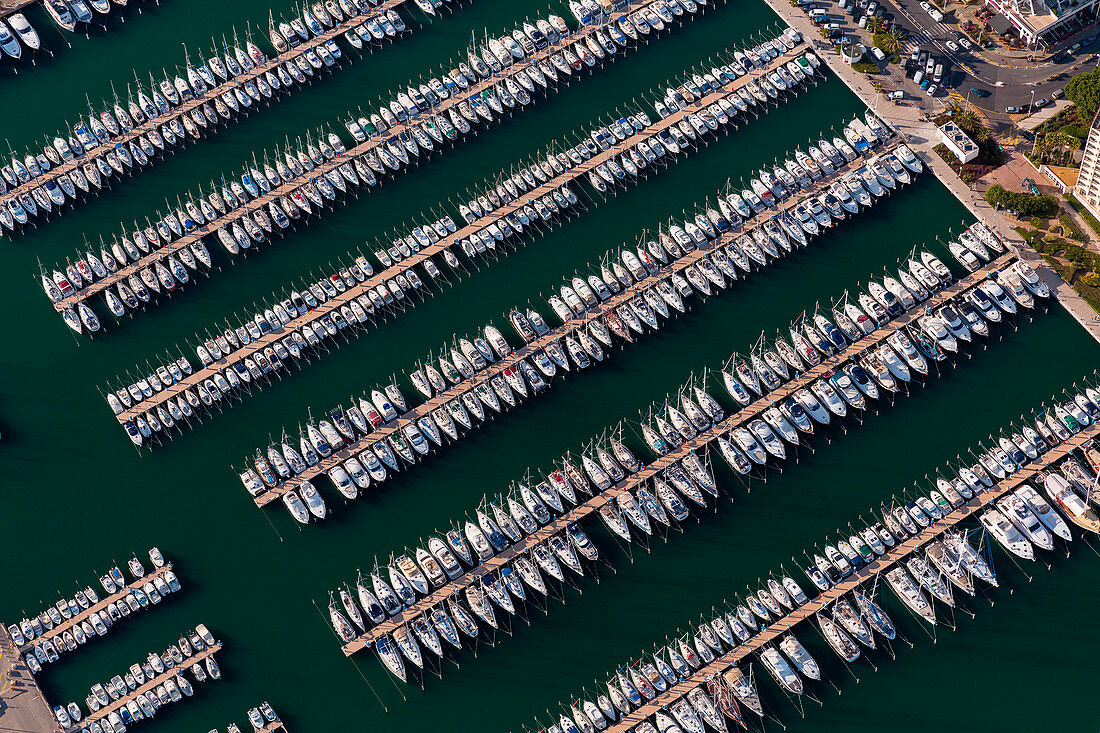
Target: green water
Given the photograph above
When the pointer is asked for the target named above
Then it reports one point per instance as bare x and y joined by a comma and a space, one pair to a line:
79, 497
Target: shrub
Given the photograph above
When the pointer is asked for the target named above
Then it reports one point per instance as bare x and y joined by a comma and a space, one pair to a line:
1078, 131
866, 67
1091, 279
1036, 222
1094, 225
1070, 229
1025, 204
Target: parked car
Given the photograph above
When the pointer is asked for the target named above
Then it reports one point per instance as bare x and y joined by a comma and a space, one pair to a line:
1040, 103
1057, 94
932, 90
1013, 110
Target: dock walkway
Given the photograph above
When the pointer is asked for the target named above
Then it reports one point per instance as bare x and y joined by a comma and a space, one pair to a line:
555, 334
95, 608
23, 707
276, 726
654, 468
152, 684
185, 107
211, 227
9, 7
267, 340
879, 565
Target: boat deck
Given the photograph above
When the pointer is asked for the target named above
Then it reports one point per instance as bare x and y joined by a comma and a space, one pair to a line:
211, 227
23, 707
102, 605
569, 176
186, 107
897, 554
519, 354
106, 710
655, 467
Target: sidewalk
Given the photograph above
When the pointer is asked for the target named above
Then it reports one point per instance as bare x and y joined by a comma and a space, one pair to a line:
1032, 121
920, 134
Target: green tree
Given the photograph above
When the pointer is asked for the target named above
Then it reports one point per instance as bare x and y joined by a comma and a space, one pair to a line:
896, 37
890, 42
1055, 146
972, 125
1024, 204
1043, 147
1084, 91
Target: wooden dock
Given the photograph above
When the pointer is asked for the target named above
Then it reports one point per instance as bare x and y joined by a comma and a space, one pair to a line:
186, 107
96, 608
275, 726
344, 298
895, 555
152, 684
8, 7
211, 227
555, 334
654, 468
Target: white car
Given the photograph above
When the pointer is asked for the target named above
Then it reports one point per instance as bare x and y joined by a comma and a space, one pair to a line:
926, 7
932, 89
951, 45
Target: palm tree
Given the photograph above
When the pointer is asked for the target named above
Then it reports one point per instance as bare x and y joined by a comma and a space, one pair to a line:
1043, 146
969, 121
892, 41
1061, 143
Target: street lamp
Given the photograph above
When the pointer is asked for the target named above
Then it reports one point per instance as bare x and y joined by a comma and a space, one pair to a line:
968, 98
1034, 135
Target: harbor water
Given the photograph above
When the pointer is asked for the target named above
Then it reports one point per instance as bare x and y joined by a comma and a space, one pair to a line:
79, 498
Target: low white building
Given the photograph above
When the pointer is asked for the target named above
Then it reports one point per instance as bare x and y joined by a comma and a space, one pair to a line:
958, 142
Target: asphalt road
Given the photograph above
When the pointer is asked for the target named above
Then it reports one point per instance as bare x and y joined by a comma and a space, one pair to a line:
965, 70
1006, 86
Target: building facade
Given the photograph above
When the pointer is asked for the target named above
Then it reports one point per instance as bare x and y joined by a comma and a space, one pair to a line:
1087, 189
1042, 22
